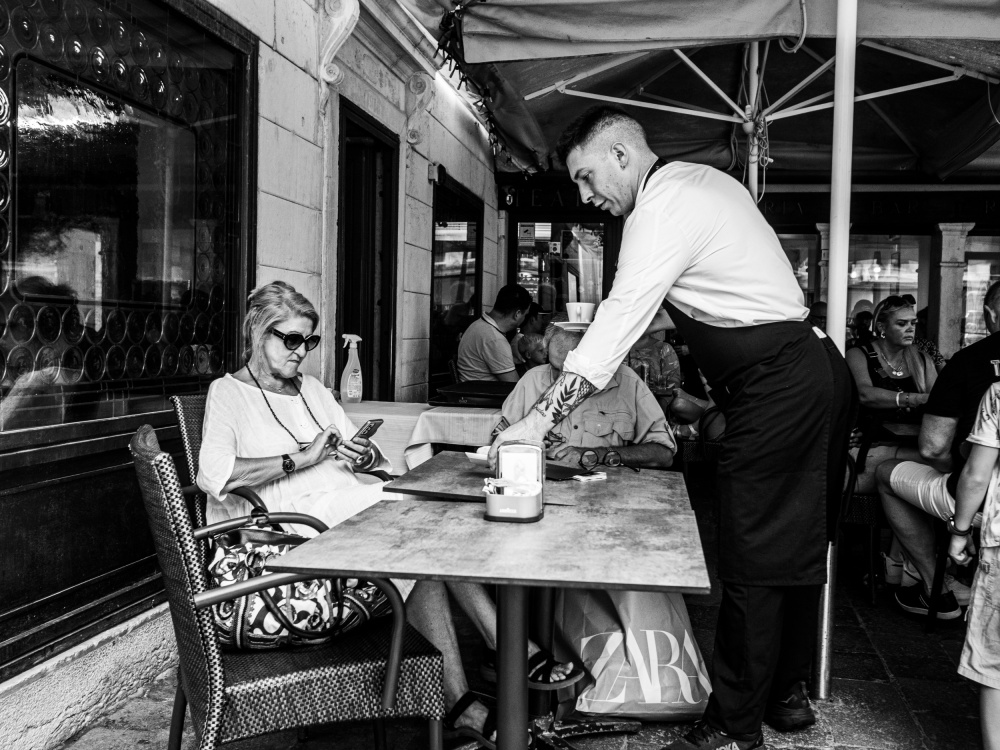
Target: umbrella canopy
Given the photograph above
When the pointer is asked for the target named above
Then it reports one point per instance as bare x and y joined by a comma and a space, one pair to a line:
538, 64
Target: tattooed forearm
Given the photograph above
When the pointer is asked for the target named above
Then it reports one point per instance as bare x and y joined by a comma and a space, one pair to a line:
563, 396
502, 425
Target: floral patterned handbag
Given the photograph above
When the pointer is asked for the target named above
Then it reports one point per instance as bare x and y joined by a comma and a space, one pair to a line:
297, 614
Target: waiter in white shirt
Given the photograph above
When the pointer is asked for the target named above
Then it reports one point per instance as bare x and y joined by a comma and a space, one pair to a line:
695, 240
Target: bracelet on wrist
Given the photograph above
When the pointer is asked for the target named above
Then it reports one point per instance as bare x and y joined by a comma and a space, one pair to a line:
898, 394
955, 531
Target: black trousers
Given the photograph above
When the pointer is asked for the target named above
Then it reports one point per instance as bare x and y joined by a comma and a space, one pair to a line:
764, 645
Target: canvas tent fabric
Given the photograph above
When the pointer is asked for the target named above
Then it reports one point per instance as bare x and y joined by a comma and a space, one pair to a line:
511, 48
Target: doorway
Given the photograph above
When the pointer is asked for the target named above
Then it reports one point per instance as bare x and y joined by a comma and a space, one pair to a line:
366, 248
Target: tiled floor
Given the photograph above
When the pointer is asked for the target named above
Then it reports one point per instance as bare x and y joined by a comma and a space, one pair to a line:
894, 686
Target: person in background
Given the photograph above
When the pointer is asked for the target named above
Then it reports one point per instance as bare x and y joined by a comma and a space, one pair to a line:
484, 352
817, 315
914, 493
532, 324
893, 380
923, 341
979, 486
533, 352
863, 335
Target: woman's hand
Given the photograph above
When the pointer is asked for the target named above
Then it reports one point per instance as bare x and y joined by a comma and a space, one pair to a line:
919, 399
356, 450
322, 447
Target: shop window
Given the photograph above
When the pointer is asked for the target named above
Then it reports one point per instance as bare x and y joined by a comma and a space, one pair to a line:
456, 275
121, 191
560, 262
881, 265
982, 269
800, 249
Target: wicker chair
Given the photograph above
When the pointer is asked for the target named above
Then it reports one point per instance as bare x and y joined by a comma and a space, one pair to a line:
383, 670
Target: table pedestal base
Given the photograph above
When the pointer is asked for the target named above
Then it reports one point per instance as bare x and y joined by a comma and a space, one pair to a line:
512, 667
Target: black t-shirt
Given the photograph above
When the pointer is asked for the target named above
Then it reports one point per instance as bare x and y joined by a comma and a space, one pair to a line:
958, 391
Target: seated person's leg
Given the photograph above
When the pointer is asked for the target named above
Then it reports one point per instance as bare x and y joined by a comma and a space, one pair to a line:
427, 609
473, 599
911, 493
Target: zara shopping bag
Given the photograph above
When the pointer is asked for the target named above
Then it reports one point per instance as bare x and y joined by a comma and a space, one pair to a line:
639, 650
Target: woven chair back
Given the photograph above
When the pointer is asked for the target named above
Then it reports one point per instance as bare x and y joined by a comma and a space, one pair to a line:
183, 577
190, 412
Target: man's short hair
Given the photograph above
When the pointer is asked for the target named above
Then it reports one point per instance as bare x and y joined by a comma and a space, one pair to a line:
510, 298
593, 122
992, 298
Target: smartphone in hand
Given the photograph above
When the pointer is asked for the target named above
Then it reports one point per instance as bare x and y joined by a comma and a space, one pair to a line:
368, 429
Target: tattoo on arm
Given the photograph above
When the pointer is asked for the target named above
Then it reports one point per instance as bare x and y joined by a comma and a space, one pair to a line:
563, 396
502, 425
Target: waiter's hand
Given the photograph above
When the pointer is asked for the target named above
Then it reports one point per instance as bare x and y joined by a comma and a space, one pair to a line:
532, 427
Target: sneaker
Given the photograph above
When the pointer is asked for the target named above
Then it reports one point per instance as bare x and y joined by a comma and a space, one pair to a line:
791, 713
911, 577
705, 737
893, 570
912, 599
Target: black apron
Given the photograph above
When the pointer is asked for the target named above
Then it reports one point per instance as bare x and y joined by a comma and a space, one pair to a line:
786, 395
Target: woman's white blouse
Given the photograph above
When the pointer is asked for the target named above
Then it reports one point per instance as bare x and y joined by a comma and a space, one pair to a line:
239, 423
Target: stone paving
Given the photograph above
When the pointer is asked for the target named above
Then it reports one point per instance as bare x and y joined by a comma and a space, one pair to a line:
894, 686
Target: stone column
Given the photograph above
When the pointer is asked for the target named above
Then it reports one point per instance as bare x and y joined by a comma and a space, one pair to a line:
822, 284
947, 303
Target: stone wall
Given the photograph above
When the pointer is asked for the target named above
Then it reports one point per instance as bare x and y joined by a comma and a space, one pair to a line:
56, 699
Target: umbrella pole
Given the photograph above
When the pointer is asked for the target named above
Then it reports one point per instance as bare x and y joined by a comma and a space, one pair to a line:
840, 228
840, 184
752, 147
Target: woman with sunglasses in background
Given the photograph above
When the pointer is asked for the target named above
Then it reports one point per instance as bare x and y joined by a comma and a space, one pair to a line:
281, 432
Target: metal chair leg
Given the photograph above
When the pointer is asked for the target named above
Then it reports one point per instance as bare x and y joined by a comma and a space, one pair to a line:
436, 732
378, 729
177, 719
939, 568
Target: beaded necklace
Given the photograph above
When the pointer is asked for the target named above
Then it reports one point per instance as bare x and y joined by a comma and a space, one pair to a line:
299, 392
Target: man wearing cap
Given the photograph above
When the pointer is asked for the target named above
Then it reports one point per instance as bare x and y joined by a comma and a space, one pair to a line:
694, 239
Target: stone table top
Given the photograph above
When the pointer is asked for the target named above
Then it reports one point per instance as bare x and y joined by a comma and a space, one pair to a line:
451, 475
636, 531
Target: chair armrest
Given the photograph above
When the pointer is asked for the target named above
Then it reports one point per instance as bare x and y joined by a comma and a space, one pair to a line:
259, 519
381, 474
250, 496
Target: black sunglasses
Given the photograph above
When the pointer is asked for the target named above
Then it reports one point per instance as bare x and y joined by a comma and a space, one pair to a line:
294, 340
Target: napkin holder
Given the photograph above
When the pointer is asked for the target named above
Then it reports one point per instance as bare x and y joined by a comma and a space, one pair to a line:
517, 495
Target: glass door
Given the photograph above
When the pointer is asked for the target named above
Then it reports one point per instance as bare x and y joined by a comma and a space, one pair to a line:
560, 262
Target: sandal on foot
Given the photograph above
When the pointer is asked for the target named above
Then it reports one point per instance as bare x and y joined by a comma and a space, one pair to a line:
451, 731
540, 668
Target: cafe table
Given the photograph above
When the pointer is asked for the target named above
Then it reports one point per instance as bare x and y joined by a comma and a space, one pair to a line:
634, 531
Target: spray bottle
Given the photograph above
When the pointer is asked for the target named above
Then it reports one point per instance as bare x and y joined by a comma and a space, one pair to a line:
350, 381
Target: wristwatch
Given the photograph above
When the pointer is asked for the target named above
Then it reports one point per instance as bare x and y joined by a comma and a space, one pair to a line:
287, 464
954, 531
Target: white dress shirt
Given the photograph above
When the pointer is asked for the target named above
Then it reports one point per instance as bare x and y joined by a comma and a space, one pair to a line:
696, 238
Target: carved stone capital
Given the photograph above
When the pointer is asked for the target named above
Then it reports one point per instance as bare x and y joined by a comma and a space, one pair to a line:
420, 93
341, 18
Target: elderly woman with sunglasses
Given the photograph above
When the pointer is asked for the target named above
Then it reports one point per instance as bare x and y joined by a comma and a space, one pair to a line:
281, 432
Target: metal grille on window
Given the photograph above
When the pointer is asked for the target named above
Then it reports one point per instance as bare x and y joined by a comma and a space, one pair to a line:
119, 142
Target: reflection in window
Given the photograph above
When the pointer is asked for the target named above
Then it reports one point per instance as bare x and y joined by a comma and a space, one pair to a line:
122, 213
982, 269
455, 276
881, 265
560, 262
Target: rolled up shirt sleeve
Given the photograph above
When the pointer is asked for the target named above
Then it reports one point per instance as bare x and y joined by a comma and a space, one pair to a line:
653, 256
650, 423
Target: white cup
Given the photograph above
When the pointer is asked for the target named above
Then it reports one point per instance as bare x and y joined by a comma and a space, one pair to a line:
580, 312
